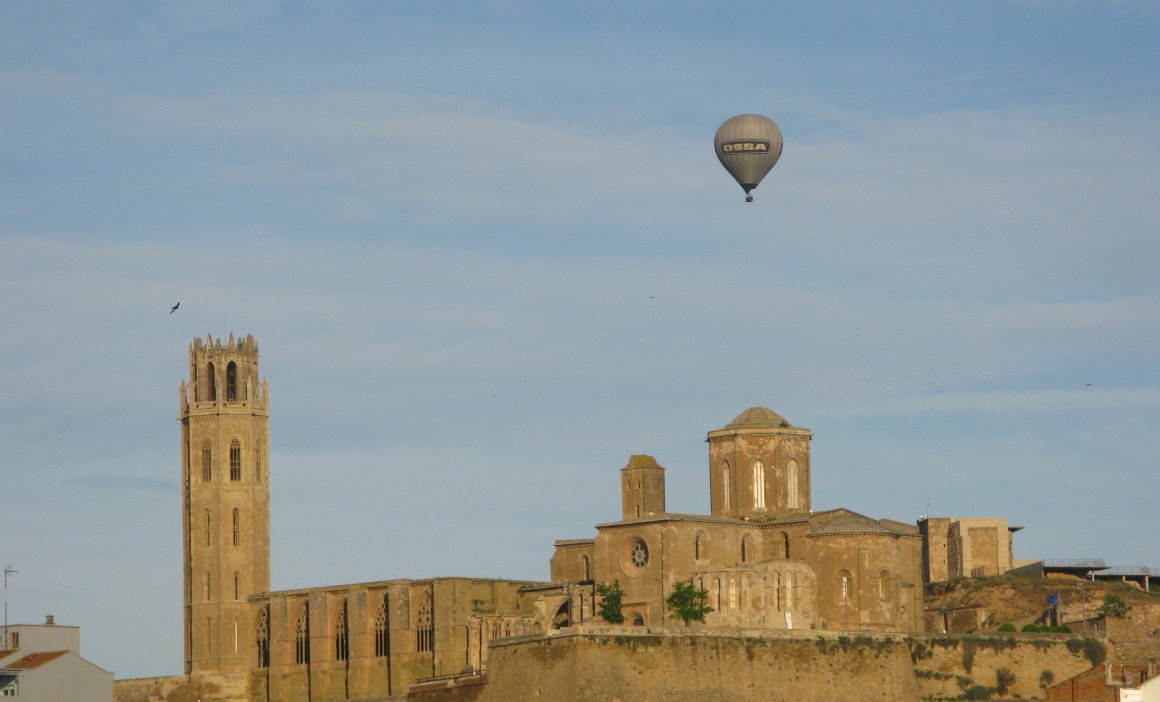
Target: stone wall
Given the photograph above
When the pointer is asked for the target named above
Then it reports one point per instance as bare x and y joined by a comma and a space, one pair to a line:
671, 665
946, 666
207, 687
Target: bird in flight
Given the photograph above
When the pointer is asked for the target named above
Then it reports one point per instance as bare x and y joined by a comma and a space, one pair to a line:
174, 308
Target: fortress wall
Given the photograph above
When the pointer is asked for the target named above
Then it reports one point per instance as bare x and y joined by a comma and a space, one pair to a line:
945, 666
147, 689
202, 687
656, 664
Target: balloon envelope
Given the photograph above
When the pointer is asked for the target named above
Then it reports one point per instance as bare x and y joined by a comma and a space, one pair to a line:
748, 146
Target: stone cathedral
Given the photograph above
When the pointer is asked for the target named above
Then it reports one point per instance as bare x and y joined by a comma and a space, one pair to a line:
767, 560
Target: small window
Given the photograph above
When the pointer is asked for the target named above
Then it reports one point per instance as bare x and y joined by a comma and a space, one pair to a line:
237, 526
231, 382
258, 465
208, 537
727, 480
211, 376
235, 460
746, 548
792, 489
302, 636
206, 461
758, 485
884, 589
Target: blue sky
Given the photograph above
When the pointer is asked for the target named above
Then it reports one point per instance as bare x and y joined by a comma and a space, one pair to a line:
488, 253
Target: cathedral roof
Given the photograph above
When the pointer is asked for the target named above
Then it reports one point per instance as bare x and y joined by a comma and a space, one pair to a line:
847, 522
758, 418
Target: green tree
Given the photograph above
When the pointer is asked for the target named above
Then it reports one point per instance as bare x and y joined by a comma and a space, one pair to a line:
1004, 679
1046, 678
687, 603
1113, 606
611, 598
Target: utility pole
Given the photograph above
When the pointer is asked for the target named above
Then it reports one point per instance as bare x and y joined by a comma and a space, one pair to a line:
8, 570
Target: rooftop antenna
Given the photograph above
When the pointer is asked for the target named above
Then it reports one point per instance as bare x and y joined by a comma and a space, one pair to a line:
8, 570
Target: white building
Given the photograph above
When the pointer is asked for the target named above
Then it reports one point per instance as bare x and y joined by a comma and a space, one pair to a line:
42, 663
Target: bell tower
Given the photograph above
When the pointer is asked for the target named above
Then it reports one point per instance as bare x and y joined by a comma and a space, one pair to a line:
224, 414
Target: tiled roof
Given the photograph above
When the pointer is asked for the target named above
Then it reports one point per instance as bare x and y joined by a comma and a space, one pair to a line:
852, 523
758, 417
34, 660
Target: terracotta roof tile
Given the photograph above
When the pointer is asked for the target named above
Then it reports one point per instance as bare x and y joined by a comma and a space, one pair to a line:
34, 660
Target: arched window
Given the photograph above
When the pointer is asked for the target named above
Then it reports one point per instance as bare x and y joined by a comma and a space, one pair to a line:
789, 591
717, 592
884, 589
341, 635
262, 638
425, 625
302, 636
777, 603
584, 569
235, 460
700, 546
727, 479
237, 526
237, 582
258, 464
231, 382
792, 490
208, 537
845, 586
732, 593
206, 461
211, 376
784, 545
758, 485
746, 548
382, 636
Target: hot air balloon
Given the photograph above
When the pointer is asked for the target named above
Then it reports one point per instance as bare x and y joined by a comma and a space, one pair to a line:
748, 146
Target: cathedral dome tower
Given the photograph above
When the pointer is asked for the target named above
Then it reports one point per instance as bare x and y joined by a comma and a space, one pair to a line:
759, 466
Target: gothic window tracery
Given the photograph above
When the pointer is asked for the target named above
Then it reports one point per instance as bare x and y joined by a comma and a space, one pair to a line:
341, 635
235, 460
425, 625
262, 638
382, 644
302, 636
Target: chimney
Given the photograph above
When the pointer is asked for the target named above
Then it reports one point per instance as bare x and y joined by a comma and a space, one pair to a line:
49, 620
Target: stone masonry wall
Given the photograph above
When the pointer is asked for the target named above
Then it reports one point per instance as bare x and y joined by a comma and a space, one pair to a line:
946, 666
586, 664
